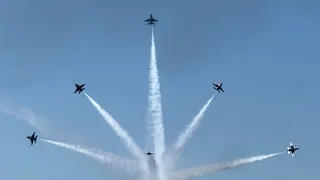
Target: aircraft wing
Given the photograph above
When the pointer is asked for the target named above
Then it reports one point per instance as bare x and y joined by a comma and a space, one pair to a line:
221, 89
155, 20
29, 137
82, 85
147, 20
216, 85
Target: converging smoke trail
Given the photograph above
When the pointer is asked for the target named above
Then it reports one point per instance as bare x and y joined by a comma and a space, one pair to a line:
210, 168
123, 134
110, 159
155, 108
188, 132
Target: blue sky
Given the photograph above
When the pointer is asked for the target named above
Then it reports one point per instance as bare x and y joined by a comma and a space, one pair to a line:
265, 52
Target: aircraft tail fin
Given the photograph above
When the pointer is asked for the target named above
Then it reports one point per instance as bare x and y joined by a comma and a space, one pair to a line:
35, 139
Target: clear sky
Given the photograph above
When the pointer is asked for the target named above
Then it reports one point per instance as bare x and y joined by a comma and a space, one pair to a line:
265, 52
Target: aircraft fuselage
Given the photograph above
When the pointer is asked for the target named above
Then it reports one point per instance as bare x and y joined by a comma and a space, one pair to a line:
32, 138
293, 149
150, 20
218, 87
149, 153
79, 88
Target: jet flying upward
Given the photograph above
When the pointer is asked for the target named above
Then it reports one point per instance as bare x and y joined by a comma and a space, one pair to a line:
79, 88
149, 153
151, 20
292, 149
33, 138
218, 87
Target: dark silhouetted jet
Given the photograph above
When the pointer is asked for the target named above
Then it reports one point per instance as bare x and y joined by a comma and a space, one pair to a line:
218, 87
149, 153
292, 149
151, 20
79, 88
33, 138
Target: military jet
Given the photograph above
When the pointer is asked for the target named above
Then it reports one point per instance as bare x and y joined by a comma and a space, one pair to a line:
292, 149
218, 87
79, 88
33, 138
149, 153
151, 20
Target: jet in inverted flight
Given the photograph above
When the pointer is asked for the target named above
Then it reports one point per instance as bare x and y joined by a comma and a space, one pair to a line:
149, 153
151, 20
218, 87
33, 138
79, 88
292, 149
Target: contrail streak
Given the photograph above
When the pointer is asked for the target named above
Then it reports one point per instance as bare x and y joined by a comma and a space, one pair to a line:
107, 158
28, 116
210, 168
123, 134
188, 132
41, 124
155, 109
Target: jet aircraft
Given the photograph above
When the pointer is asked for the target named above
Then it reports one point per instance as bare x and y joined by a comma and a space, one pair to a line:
151, 20
33, 138
79, 88
292, 149
218, 87
149, 153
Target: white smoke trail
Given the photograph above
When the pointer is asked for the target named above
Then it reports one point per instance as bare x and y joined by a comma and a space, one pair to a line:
123, 134
107, 158
187, 133
26, 115
210, 168
41, 124
155, 109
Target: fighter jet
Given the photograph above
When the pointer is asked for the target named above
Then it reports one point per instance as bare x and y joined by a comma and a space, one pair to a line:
151, 20
79, 88
218, 87
33, 138
149, 153
292, 149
